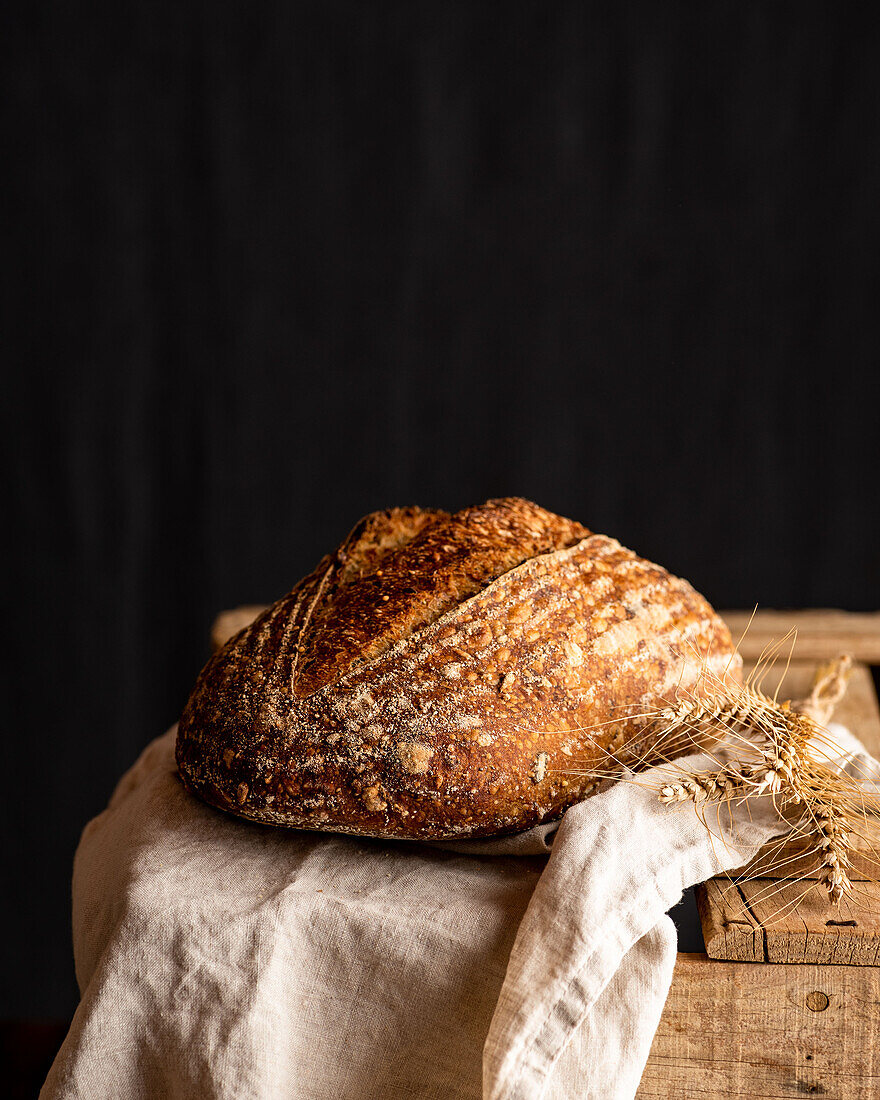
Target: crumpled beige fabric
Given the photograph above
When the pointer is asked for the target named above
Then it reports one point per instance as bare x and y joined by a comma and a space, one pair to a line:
219, 959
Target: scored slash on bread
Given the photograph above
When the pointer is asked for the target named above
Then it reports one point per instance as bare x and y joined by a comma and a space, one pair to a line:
439, 675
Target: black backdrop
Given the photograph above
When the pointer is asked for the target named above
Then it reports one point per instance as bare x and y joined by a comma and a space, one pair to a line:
271, 266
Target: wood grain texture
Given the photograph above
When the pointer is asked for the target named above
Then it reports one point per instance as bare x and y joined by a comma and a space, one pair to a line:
730, 930
821, 633
768, 920
733, 1030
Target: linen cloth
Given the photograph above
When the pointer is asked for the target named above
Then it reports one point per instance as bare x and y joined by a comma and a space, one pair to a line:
220, 959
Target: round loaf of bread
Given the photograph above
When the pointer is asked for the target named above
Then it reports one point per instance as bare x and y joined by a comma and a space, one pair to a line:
446, 676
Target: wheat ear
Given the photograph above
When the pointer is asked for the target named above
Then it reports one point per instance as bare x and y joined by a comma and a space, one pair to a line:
781, 761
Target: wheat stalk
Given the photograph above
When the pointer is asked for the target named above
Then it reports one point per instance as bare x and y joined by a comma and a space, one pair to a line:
783, 748
760, 748
834, 833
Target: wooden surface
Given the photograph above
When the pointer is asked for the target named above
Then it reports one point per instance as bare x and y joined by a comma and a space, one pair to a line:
820, 633
735, 1030
768, 920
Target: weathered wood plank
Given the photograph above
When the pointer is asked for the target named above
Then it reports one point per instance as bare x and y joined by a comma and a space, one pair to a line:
733, 1030
800, 926
820, 633
767, 920
730, 931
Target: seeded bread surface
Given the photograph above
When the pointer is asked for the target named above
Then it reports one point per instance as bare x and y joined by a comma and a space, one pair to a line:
443, 675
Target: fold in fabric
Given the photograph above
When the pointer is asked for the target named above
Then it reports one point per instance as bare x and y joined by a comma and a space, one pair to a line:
221, 959
594, 956
594, 944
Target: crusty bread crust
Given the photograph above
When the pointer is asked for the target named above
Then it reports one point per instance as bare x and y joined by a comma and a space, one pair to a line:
444, 675
401, 570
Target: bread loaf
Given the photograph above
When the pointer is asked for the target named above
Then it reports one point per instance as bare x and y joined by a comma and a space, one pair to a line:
442, 676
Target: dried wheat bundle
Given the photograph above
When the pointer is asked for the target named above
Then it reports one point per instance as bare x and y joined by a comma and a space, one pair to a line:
781, 751
785, 753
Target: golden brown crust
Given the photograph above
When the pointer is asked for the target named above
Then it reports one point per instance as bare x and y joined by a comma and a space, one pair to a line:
513, 646
367, 600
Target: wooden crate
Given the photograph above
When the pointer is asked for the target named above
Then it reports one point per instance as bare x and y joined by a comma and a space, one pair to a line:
766, 1030
786, 1006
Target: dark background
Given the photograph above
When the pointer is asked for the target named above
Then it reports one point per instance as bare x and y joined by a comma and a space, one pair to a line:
271, 266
